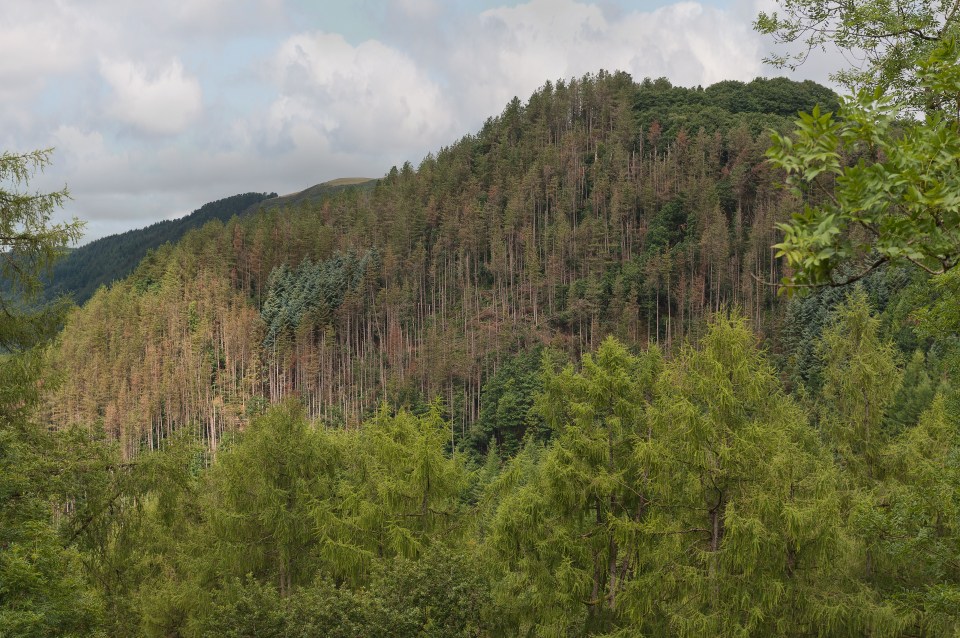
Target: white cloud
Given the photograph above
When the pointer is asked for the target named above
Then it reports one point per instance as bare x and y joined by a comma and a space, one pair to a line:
162, 102
364, 98
420, 9
514, 50
31, 51
75, 144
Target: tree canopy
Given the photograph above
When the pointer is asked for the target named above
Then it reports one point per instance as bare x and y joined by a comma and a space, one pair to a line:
890, 37
877, 186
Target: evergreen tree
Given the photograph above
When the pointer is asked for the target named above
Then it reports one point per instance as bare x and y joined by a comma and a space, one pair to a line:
744, 534
914, 528
42, 591
860, 380
261, 495
559, 532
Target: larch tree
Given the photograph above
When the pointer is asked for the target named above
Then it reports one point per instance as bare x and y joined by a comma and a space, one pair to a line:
261, 496
860, 380
41, 590
562, 529
914, 528
744, 533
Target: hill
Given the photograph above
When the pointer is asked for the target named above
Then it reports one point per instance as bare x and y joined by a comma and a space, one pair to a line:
111, 258
600, 207
319, 191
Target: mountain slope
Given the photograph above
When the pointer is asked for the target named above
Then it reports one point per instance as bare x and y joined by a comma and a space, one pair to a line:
318, 192
114, 257
110, 258
601, 206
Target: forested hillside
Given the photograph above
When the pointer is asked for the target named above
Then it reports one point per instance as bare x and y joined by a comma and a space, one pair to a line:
598, 207
632, 360
112, 258
109, 259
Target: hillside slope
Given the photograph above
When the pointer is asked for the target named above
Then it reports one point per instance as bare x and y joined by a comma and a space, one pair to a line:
601, 206
110, 258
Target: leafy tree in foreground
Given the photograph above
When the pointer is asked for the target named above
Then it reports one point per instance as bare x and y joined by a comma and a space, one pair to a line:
879, 189
891, 36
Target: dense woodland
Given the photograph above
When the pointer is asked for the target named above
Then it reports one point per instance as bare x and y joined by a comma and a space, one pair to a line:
600, 207
542, 384
109, 259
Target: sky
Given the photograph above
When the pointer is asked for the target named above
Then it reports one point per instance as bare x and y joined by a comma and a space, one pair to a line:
155, 108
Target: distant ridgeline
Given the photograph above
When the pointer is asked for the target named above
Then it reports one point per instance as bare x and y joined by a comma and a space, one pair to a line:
108, 259
600, 206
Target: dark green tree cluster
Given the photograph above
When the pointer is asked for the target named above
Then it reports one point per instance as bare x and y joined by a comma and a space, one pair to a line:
728, 104
311, 292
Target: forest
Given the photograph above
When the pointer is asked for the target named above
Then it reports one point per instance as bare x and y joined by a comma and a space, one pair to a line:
101, 262
633, 359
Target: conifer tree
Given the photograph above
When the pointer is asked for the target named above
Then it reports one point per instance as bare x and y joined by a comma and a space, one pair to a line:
262, 491
915, 527
42, 592
399, 491
860, 379
744, 534
559, 533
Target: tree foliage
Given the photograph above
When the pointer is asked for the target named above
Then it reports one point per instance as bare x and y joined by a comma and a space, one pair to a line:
891, 37
42, 591
876, 188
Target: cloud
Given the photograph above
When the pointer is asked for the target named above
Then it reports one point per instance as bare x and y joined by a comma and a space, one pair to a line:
29, 53
164, 102
77, 145
420, 9
364, 98
156, 108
